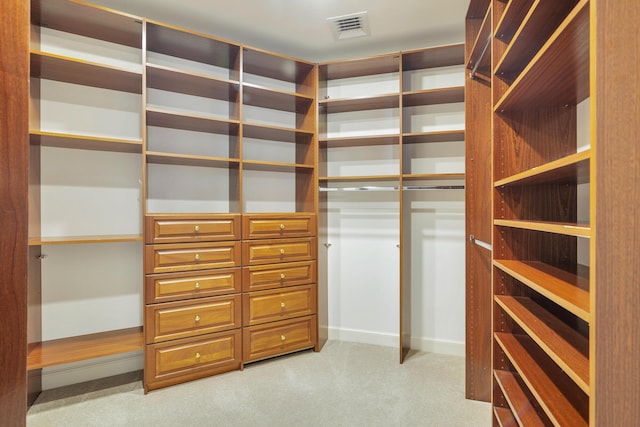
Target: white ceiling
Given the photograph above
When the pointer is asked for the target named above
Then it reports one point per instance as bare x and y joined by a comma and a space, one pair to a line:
299, 27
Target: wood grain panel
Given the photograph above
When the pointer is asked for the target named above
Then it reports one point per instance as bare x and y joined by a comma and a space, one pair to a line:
14, 176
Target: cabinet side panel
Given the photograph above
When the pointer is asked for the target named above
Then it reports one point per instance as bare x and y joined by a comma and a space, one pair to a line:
14, 80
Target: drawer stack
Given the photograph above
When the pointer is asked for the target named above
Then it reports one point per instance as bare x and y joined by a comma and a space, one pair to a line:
193, 303
279, 296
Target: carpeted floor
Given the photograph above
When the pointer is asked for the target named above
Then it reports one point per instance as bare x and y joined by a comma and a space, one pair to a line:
346, 384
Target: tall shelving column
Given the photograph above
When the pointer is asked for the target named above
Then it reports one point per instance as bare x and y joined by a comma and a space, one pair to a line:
193, 199
85, 144
432, 170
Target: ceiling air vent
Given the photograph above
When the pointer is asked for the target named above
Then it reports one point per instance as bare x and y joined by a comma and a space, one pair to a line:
349, 26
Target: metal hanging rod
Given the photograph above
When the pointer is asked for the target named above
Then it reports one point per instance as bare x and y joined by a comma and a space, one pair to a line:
472, 74
480, 243
396, 188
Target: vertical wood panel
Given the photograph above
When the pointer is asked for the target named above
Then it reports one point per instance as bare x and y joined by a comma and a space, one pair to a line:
617, 222
14, 71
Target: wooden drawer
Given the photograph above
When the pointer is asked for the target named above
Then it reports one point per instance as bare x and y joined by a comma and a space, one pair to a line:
191, 256
187, 228
271, 276
266, 226
188, 359
279, 304
277, 338
171, 321
180, 286
255, 252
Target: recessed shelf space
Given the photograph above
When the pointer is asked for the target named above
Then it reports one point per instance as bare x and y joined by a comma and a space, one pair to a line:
355, 141
365, 103
276, 133
479, 61
188, 160
570, 169
70, 70
277, 187
434, 136
544, 381
67, 350
565, 346
84, 142
521, 408
566, 229
511, 18
273, 166
279, 73
545, 81
194, 122
191, 83
433, 96
259, 96
539, 23
436, 57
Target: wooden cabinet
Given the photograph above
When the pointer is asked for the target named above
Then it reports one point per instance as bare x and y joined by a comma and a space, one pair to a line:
541, 96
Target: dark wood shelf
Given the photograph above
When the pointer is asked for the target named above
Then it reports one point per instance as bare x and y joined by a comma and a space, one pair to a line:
564, 345
513, 15
275, 133
574, 169
480, 56
195, 122
569, 291
540, 380
173, 41
559, 73
75, 71
189, 160
88, 20
437, 136
442, 56
383, 64
189, 83
539, 23
84, 142
85, 347
82, 240
279, 67
504, 417
564, 228
521, 408
259, 96
433, 96
364, 103
360, 141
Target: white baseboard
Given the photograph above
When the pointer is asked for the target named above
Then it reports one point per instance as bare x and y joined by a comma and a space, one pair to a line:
429, 345
93, 369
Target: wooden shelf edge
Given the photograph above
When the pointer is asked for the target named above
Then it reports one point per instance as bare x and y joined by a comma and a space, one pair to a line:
71, 240
84, 347
188, 160
565, 346
189, 73
567, 229
579, 161
559, 286
363, 178
554, 403
522, 411
253, 86
84, 142
504, 417
483, 36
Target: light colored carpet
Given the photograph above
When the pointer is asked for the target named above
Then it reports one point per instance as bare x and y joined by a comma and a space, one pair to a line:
346, 384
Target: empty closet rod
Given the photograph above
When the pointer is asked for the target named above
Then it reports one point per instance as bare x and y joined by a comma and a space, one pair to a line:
407, 187
480, 243
472, 74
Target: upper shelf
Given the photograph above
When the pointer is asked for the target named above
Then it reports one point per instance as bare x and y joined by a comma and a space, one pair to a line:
382, 64
84, 142
442, 56
189, 83
275, 133
173, 41
559, 73
538, 24
70, 70
279, 67
199, 123
573, 168
88, 20
433, 96
512, 17
345, 105
259, 96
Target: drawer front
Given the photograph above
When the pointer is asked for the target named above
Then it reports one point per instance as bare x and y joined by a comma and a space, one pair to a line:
175, 229
268, 306
191, 256
274, 251
180, 286
185, 360
277, 338
274, 226
180, 320
279, 275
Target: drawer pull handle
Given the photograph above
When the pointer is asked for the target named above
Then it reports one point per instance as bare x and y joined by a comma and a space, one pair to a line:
197, 257
282, 338
281, 226
197, 318
281, 251
198, 357
283, 305
197, 285
196, 228
282, 276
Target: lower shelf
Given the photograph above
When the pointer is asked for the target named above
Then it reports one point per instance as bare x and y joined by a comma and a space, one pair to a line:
84, 347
